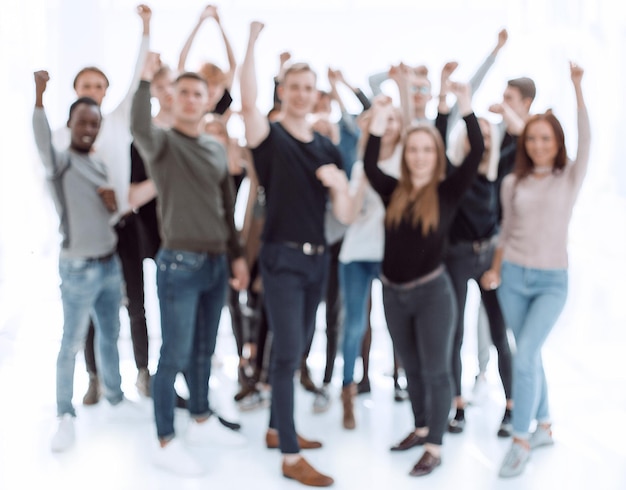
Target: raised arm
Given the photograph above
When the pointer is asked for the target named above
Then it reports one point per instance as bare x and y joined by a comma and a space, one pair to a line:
147, 137
256, 124
457, 182
401, 74
41, 128
513, 123
145, 13
209, 11
230, 55
581, 163
382, 183
481, 72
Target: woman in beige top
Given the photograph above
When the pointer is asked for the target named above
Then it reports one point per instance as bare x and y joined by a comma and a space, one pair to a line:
531, 261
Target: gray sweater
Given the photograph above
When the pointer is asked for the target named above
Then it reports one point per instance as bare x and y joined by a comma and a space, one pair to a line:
74, 178
196, 197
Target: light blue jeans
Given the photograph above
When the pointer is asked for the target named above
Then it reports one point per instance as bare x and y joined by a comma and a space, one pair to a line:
355, 280
192, 292
89, 287
531, 301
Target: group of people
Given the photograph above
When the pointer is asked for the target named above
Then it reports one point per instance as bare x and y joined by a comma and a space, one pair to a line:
423, 206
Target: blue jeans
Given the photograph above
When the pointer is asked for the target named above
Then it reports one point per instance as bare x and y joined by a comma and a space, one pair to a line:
89, 287
355, 279
421, 321
531, 301
192, 292
293, 284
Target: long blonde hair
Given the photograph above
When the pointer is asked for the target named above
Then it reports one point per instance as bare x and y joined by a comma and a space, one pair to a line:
422, 205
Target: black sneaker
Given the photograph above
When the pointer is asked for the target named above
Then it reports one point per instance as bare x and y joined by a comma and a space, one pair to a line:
506, 427
457, 424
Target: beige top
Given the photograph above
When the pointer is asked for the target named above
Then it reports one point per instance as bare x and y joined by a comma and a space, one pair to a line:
537, 210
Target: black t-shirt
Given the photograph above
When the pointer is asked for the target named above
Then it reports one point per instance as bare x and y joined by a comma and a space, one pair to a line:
408, 253
478, 215
295, 199
149, 236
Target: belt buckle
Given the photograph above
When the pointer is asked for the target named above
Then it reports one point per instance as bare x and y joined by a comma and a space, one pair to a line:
308, 249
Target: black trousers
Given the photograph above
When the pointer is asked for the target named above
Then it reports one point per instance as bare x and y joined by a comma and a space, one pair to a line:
131, 256
470, 260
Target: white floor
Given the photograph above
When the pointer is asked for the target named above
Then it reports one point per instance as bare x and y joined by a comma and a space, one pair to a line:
582, 358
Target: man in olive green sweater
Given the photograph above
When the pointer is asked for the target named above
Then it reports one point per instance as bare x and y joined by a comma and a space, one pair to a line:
196, 212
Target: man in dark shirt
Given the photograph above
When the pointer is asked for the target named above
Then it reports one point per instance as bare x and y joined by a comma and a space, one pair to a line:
295, 165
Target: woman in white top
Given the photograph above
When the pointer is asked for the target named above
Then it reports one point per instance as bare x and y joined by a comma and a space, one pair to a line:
531, 260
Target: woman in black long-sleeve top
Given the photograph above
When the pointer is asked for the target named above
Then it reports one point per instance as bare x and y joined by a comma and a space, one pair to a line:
418, 297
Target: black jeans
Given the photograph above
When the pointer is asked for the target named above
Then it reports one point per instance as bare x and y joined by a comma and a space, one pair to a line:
293, 284
334, 309
129, 251
421, 321
470, 260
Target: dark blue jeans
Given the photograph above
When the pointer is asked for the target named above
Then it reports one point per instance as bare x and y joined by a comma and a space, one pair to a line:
293, 284
192, 292
421, 321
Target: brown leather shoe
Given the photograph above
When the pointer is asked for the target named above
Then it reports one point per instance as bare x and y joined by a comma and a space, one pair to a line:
273, 442
303, 472
426, 464
408, 442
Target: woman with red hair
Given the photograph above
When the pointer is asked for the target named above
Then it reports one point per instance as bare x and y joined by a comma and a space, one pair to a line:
531, 261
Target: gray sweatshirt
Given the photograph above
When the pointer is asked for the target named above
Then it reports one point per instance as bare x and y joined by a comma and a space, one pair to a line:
74, 179
196, 197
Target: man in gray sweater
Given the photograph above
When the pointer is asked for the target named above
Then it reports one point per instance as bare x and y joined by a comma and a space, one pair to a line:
89, 268
196, 213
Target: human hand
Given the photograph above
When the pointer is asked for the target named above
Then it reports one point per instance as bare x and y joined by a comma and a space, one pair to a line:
241, 274
490, 280
446, 71
503, 36
151, 66
332, 177
463, 93
497, 108
108, 198
284, 57
382, 107
144, 12
576, 72
255, 29
41, 81
209, 11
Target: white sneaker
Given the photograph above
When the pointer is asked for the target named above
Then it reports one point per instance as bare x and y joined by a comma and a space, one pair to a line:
175, 458
64, 436
213, 432
541, 437
321, 402
127, 411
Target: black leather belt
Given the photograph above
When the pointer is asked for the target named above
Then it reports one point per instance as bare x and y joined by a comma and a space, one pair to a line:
306, 248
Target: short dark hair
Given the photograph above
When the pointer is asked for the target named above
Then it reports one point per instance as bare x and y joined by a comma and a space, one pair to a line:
190, 75
525, 85
93, 69
83, 100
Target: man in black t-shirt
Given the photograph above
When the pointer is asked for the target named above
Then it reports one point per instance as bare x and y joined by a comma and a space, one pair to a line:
300, 171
